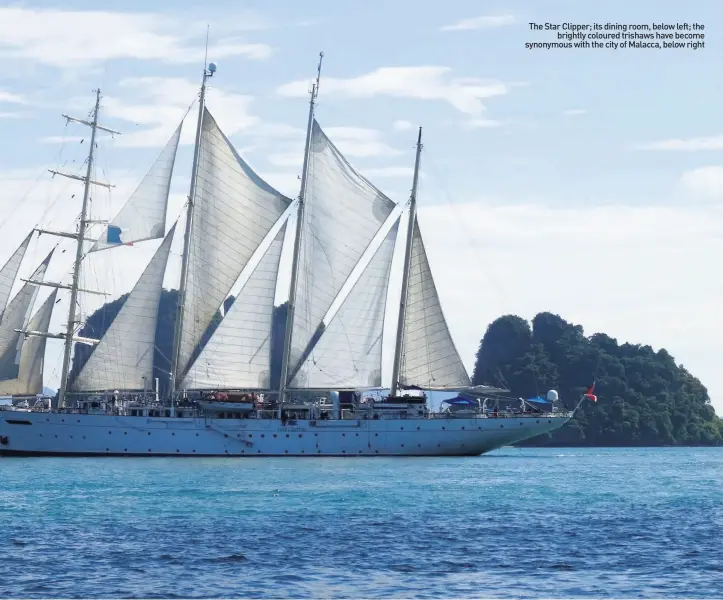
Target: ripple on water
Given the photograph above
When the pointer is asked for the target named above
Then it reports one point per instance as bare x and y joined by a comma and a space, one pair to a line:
514, 524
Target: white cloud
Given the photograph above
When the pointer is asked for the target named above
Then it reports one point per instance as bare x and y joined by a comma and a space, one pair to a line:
159, 103
13, 115
625, 271
352, 142
483, 123
705, 182
287, 182
277, 130
423, 83
156, 105
574, 112
359, 142
377, 172
63, 38
286, 159
690, 144
401, 125
61, 139
484, 22
11, 98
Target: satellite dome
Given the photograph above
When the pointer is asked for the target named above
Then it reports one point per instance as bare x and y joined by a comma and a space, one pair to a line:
552, 396
212, 67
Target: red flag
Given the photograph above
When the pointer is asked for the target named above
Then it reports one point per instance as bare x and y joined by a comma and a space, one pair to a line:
589, 394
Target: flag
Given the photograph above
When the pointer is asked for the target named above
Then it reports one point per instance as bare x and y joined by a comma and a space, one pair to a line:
589, 394
113, 236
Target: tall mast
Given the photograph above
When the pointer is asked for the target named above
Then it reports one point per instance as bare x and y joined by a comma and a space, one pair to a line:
208, 71
405, 275
291, 305
70, 327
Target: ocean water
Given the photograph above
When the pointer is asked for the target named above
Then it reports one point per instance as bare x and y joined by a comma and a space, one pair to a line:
517, 523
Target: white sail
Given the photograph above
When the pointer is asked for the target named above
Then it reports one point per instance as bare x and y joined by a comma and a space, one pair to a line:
342, 214
143, 217
349, 351
429, 357
17, 315
124, 355
32, 355
234, 209
238, 355
9, 272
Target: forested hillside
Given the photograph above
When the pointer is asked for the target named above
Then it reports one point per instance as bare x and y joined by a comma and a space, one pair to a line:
644, 398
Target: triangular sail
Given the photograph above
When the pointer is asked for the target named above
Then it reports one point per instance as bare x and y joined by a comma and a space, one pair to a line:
234, 209
16, 316
29, 381
9, 272
349, 352
238, 355
124, 355
342, 214
429, 357
143, 217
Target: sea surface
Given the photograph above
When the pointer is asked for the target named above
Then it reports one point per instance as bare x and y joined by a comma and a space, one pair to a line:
517, 523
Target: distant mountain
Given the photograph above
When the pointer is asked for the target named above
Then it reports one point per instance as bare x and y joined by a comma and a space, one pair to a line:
49, 391
644, 398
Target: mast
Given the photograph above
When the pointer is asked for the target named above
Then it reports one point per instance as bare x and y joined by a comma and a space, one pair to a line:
70, 327
291, 305
208, 71
405, 274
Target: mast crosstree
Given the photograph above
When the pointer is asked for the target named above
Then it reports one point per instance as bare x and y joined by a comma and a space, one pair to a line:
74, 287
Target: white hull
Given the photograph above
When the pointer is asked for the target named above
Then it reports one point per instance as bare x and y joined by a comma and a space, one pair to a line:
68, 434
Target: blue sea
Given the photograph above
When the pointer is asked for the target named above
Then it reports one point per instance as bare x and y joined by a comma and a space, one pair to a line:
517, 523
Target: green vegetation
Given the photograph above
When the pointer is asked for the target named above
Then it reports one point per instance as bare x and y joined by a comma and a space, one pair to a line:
644, 398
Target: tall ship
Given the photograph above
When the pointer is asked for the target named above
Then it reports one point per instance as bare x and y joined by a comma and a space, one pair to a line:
228, 394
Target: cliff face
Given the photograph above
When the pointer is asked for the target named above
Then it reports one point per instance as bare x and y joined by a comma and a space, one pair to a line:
644, 398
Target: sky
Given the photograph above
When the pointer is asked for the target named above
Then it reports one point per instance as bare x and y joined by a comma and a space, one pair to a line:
584, 182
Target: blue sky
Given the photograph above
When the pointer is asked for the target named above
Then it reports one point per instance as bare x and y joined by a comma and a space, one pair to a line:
584, 182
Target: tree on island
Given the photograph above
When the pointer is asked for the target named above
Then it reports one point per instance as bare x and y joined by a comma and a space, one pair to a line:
645, 399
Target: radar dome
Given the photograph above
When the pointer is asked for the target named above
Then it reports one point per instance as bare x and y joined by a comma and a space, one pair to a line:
552, 396
211, 67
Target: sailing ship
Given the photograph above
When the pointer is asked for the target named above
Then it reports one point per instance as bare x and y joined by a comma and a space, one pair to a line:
223, 400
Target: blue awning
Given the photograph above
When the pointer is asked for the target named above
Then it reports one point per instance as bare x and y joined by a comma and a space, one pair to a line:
459, 401
539, 400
